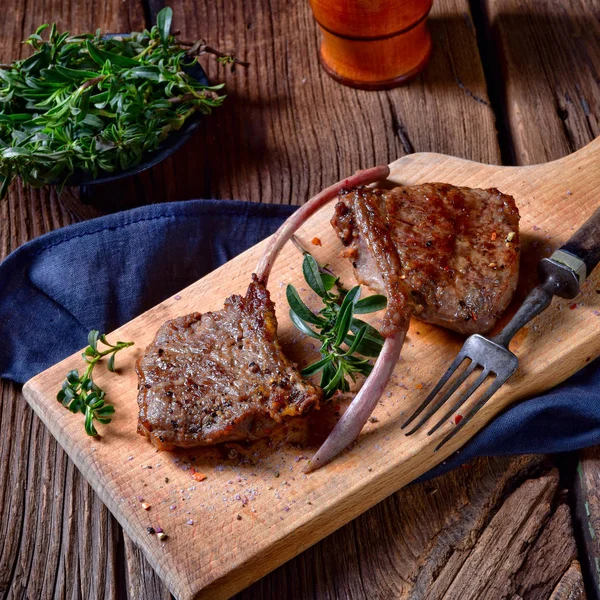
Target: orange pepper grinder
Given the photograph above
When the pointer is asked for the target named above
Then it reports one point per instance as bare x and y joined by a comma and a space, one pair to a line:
373, 44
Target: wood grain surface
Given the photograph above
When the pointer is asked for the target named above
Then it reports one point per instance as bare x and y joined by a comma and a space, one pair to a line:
549, 54
411, 118
211, 561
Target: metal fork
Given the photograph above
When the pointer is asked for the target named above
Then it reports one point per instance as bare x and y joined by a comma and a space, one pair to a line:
560, 275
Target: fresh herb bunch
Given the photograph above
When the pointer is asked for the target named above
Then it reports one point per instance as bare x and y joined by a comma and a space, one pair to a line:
79, 393
91, 103
343, 337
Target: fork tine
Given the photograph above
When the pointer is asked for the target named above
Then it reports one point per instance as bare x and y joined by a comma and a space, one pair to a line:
455, 385
480, 379
455, 364
488, 394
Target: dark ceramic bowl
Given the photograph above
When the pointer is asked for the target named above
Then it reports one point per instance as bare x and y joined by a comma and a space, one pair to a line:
170, 145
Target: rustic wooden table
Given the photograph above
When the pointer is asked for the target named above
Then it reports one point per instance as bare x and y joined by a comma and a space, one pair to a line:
511, 81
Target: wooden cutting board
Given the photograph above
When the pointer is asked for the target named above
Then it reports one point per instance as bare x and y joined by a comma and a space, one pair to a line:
255, 509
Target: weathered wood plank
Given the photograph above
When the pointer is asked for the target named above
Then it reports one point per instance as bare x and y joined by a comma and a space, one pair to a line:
549, 558
570, 587
142, 580
549, 54
400, 548
586, 492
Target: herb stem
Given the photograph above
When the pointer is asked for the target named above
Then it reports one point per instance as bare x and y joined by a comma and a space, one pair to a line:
80, 393
91, 82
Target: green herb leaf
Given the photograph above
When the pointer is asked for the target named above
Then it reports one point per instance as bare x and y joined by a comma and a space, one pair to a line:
335, 381
163, 22
152, 73
328, 281
370, 304
310, 268
316, 367
300, 308
358, 338
343, 323
92, 103
93, 336
73, 376
336, 327
79, 393
372, 341
302, 326
106, 59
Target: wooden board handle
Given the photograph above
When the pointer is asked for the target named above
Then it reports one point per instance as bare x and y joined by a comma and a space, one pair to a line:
585, 242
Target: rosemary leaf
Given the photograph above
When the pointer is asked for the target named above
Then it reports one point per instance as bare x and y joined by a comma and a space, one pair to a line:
346, 342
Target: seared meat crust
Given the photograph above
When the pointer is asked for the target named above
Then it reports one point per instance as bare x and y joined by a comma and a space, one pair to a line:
453, 250
219, 377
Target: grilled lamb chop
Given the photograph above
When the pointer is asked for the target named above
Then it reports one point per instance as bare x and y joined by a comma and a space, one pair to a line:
445, 254
219, 377
452, 253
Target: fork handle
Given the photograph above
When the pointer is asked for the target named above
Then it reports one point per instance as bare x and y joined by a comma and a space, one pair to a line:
538, 300
585, 243
560, 275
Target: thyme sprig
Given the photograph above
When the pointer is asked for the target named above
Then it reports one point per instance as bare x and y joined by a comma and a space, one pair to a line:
79, 393
96, 103
346, 342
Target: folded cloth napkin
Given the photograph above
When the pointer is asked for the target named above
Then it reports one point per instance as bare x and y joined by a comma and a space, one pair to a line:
102, 273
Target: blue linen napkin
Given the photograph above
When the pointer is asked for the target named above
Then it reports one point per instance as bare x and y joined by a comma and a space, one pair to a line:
102, 273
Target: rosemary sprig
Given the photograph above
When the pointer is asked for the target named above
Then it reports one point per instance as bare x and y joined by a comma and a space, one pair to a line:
343, 337
79, 393
96, 103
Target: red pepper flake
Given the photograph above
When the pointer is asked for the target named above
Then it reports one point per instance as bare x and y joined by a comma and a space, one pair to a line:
494, 236
198, 476
458, 419
337, 407
573, 306
473, 316
419, 386
316, 242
